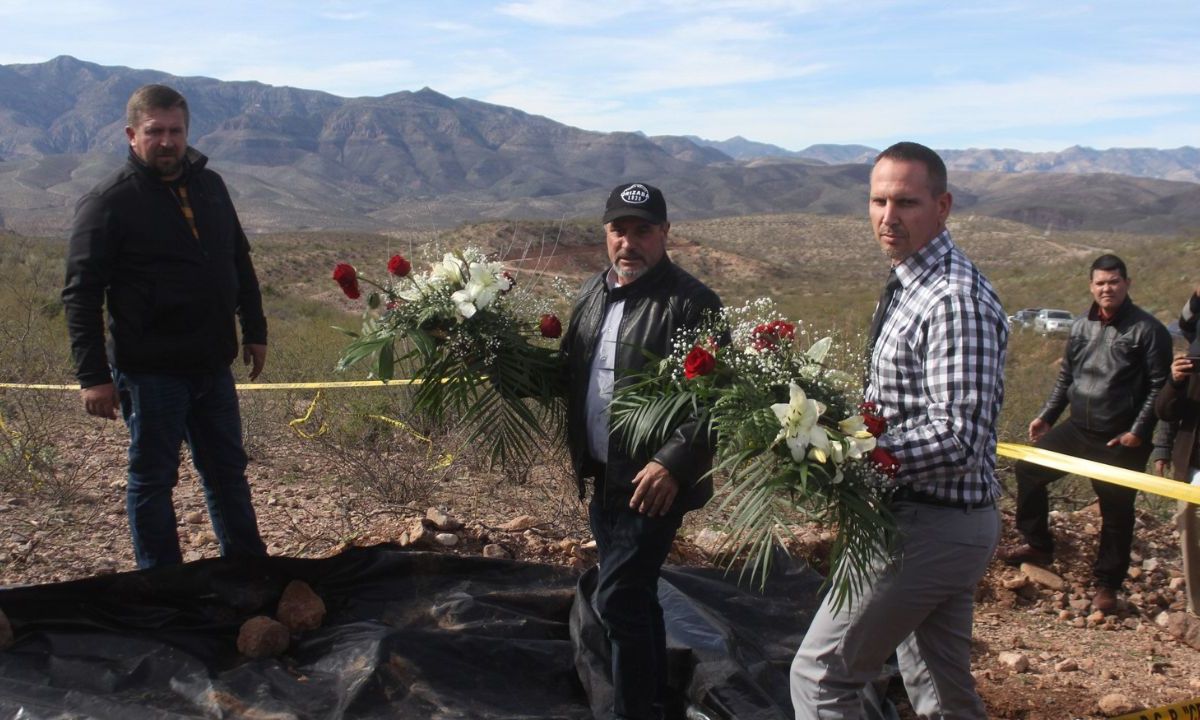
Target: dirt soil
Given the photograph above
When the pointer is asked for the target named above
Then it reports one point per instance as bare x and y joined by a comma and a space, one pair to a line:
1038, 652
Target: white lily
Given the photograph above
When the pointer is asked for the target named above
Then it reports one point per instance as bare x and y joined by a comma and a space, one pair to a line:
854, 426
450, 271
859, 439
859, 446
486, 282
800, 429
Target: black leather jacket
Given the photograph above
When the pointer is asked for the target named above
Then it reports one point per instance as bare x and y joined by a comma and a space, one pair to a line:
1112, 372
171, 299
657, 304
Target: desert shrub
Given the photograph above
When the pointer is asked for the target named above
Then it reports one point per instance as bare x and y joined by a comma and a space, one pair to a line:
380, 455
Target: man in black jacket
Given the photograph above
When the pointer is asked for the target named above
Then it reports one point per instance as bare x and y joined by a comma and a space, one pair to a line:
159, 245
1177, 442
638, 501
1117, 358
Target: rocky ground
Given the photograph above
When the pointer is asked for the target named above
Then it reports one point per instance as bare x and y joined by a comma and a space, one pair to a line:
1040, 651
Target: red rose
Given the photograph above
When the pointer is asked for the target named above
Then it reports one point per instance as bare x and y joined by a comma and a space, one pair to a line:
782, 330
347, 277
876, 424
884, 462
398, 266
767, 336
698, 362
550, 326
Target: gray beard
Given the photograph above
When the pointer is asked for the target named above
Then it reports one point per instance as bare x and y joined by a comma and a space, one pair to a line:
629, 275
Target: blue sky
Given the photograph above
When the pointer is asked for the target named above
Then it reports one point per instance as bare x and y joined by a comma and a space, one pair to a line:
1024, 74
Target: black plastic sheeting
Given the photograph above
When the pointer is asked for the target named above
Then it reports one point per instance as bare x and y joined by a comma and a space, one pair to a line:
407, 635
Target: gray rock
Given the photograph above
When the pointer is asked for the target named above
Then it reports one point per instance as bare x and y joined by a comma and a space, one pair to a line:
1015, 660
520, 523
493, 550
1116, 704
709, 541
442, 520
1185, 628
1043, 577
418, 534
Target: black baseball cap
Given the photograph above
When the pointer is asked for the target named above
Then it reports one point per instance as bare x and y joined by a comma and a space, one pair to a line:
636, 200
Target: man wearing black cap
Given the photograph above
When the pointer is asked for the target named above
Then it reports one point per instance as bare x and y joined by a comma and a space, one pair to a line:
638, 303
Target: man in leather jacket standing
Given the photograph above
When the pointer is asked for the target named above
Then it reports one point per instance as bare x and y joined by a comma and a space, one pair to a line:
159, 246
638, 303
1117, 358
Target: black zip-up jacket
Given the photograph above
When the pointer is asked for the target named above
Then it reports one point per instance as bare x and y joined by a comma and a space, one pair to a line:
657, 304
1111, 372
170, 298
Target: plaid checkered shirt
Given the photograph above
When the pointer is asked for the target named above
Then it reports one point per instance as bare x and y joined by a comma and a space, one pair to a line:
937, 374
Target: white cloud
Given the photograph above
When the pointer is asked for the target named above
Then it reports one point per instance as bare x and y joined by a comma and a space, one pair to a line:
1068, 104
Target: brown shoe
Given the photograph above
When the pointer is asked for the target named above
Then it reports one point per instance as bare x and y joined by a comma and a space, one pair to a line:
1105, 600
1025, 554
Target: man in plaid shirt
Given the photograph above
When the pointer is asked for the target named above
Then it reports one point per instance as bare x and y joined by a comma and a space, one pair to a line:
936, 373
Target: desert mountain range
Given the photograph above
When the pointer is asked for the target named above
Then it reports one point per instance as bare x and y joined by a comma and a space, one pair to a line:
302, 159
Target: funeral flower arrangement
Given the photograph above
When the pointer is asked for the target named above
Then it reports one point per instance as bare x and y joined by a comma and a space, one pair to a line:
788, 433
473, 344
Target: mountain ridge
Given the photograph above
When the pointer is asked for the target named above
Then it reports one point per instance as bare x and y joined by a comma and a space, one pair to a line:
299, 159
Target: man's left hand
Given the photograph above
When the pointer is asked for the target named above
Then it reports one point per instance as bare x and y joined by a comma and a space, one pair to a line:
1125, 440
655, 492
256, 357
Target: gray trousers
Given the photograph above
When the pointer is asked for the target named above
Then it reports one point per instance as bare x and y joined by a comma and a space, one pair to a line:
1188, 521
918, 602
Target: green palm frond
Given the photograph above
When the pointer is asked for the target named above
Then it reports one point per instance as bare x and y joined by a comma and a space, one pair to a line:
650, 418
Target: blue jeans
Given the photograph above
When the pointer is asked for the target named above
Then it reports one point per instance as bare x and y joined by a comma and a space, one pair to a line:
632, 548
161, 411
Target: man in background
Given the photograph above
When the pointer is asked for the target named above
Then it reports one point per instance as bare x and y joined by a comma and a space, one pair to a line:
638, 499
158, 245
936, 370
1117, 358
1177, 443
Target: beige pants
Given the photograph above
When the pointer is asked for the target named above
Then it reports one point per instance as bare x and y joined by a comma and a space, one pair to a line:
1188, 521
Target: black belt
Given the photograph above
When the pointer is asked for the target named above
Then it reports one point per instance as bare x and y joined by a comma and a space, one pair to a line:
905, 493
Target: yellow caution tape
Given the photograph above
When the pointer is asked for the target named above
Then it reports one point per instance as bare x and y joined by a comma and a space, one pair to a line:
1067, 463
443, 462
298, 423
1187, 710
1100, 471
